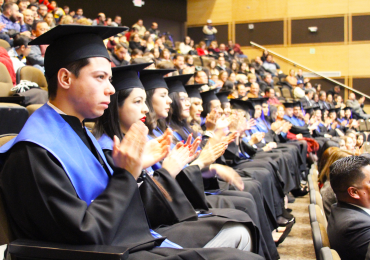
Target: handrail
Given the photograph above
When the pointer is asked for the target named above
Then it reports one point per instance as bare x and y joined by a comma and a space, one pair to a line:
304, 67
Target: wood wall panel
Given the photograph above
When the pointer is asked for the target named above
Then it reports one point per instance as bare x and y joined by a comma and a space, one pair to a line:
329, 30
358, 6
361, 28
327, 84
359, 59
306, 8
219, 11
258, 10
265, 33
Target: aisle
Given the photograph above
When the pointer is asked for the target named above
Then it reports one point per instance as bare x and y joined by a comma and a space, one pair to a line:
298, 245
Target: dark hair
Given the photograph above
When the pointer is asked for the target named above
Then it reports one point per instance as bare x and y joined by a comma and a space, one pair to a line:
150, 120
20, 40
206, 109
267, 90
74, 67
347, 172
177, 55
35, 23
174, 117
121, 45
108, 123
32, 5
136, 52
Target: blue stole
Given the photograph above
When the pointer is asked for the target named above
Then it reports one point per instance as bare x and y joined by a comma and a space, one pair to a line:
318, 127
299, 122
289, 119
46, 128
261, 125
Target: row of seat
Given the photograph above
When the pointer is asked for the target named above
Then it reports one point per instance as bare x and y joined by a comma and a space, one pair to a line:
318, 220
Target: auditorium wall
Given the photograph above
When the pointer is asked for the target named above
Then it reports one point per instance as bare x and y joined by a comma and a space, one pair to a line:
341, 43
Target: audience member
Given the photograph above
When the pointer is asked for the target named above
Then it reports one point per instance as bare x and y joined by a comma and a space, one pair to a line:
272, 99
20, 51
37, 53
322, 100
120, 55
154, 30
291, 78
49, 19
267, 82
139, 25
209, 32
254, 91
349, 221
221, 65
28, 18
42, 11
306, 101
79, 14
270, 65
179, 63
22, 5
11, 19
99, 20
356, 106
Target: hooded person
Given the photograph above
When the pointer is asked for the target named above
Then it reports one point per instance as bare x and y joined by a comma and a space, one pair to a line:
73, 195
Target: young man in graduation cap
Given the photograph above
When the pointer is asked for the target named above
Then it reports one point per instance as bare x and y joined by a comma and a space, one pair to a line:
55, 180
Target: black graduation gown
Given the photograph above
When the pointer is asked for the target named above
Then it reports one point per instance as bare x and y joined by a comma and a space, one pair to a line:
188, 231
42, 205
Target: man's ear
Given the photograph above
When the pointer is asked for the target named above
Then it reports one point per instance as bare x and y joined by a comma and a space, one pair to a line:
353, 193
64, 78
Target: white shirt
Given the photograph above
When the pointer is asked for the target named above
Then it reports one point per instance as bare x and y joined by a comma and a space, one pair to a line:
56, 109
364, 209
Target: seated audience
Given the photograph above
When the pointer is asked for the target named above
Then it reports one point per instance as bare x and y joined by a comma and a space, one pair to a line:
120, 55
221, 66
202, 49
19, 52
37, 53
266, 82
306, 101
356, 105
272, 99
254, 91
28, 18
185, 47
291, 78
270, 65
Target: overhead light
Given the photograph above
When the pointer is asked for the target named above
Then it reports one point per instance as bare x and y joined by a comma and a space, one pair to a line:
313, 29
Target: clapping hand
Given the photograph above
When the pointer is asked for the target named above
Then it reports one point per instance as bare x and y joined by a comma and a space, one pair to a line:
157, 149
128, 154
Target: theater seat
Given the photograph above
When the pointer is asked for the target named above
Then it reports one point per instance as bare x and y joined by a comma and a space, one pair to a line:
206, 61
368, 124
319, 237
286, 93
33, 108
328, 254
362, 126
315, 198
5, 81
316, 214
5, 44
12, 118
6, 138
32, 74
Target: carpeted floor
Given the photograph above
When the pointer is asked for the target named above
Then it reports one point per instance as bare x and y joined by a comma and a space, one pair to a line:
298, 245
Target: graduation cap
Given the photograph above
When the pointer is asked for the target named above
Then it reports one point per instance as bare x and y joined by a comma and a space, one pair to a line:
308, 110
347, 108
258, 101
153, 79
125, 77
240, 104
288, 104
69, 43
193, 90
208, 96
177, 83
297, 103
334, 110
222, 96
315, 108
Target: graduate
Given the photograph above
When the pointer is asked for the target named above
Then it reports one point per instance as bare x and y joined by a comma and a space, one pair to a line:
56, 182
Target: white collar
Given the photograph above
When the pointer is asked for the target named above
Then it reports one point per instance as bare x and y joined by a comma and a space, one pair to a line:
364, 209
56, 109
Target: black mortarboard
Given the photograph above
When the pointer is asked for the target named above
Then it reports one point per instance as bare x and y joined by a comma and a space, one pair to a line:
288, 104
69, 43
347, 108
222, 96
334, 110
240, 104
297, 103
308, 110
193, 90
257, 101
316, 108
125, 77
153, 79
177, 83
208, 96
